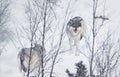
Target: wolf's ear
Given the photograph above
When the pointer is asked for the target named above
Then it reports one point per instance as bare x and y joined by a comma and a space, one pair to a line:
70, 22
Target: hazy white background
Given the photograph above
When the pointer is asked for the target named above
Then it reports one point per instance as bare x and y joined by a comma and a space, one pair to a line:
83, 8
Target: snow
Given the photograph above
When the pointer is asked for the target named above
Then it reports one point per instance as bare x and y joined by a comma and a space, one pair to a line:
8, 59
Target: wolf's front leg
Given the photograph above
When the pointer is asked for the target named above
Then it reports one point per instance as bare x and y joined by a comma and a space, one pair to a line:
71, 45
77, 44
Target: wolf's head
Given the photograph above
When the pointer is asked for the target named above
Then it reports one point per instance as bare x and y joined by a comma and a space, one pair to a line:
75, 25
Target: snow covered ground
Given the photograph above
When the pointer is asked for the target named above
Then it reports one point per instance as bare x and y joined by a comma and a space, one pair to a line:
8, 59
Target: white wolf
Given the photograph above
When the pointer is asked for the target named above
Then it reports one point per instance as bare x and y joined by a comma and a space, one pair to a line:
35, 62
75, 30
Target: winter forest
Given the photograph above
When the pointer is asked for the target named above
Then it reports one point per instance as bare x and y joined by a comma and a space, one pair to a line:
59, 38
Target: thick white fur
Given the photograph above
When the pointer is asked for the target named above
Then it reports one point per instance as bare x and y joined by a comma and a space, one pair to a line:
35, 59
76, 36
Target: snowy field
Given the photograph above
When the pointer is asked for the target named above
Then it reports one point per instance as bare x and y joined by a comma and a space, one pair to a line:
8, 59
